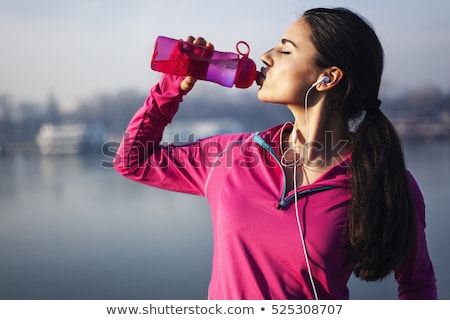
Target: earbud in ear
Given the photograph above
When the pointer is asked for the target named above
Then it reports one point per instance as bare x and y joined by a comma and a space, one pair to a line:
324, 79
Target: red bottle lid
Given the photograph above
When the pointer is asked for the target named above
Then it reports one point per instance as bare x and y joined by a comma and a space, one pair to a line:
246, 71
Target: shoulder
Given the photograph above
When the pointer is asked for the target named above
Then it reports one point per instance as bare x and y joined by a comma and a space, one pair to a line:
415, 189
269, 136
417, 197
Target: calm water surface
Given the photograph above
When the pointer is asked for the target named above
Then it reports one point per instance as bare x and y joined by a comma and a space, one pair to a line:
70, 229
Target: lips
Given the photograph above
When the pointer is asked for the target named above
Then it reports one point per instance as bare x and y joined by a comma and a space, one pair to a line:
260, 76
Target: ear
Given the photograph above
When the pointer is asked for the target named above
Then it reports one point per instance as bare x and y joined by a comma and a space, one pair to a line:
334, 74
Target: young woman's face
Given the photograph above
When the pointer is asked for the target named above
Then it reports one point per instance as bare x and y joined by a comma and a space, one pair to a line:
290, 67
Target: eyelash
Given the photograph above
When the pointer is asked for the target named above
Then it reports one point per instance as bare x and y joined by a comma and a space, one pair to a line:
285, 52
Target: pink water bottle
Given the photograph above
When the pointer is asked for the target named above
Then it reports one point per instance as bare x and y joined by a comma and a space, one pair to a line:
182, 58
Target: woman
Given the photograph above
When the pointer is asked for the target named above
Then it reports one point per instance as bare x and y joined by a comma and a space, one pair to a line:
296, 209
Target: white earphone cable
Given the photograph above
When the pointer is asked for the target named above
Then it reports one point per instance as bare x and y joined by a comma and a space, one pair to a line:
294, 164
300, 229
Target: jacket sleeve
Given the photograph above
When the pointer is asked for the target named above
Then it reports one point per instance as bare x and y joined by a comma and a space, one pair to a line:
415, 276
140, 156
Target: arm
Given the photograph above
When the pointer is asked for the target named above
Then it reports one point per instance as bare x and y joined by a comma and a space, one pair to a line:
415, 276
140, 156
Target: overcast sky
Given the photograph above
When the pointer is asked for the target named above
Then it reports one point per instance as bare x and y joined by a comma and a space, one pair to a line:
78, 48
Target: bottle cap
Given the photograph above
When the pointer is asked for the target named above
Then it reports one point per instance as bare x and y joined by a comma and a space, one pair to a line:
246, 71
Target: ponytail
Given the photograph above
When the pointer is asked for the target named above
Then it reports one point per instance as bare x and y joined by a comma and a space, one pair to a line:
381, 218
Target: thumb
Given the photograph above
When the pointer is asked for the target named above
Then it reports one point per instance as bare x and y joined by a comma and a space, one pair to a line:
188, 83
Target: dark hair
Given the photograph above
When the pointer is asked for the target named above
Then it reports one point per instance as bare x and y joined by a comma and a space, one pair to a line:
381, 222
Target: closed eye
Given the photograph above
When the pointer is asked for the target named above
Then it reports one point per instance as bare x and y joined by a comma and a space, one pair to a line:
285, 52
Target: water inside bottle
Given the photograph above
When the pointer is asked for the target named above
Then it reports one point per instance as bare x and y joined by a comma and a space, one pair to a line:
182, 59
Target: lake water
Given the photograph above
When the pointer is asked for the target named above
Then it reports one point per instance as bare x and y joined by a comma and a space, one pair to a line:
71, 229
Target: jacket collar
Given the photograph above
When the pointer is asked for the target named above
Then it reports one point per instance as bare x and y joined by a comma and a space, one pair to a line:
337, 175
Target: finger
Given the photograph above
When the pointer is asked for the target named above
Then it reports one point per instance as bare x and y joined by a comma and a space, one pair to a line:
200, 41
188, 83
209, 45
189, 39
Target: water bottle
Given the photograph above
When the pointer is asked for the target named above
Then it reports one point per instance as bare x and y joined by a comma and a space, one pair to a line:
182, 58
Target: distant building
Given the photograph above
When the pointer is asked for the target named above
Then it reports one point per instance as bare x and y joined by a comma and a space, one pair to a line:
71, 138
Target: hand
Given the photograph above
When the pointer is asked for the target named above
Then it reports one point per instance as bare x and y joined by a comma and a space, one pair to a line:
188, 83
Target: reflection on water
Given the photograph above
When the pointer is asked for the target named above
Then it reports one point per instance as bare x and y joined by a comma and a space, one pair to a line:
70, 229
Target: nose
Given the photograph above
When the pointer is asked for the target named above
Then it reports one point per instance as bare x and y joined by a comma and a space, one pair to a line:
267, 58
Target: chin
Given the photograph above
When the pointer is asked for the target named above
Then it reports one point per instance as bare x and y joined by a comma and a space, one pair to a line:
264, 97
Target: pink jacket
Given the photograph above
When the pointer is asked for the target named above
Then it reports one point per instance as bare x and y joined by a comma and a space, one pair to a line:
257, 248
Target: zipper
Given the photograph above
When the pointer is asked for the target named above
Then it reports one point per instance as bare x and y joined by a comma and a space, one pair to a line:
305, 192
264, 145
284, 201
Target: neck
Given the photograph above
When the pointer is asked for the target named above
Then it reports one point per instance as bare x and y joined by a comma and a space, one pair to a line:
323, 139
